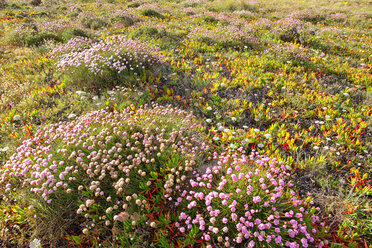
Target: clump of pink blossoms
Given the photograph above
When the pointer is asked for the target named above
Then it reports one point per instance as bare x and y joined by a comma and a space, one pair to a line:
247, 200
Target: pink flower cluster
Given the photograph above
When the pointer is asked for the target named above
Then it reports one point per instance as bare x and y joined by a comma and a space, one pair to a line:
246, 200
115, 53
75, 45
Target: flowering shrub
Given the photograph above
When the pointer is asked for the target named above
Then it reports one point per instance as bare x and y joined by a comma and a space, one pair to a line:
29, 35
124, 17
114, 167
289, 53
99, 64
247, 200
231, 36
307, 15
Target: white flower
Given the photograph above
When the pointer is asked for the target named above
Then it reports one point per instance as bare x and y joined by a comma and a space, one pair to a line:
17, 118
110, 92
232, 146
35, 243
346, 94
245, 127
226, 130
327, 117
71, 116
216, 138
233, 118
260, 145
267, 136
4, 149
208, 120
95, 98
256, 130
80, 93
326, 147
316, 147
221, 128
223, 85
248, 140
209, 108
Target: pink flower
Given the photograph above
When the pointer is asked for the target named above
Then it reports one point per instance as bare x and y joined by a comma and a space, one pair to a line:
251, 244
234, 216
256, 199
239, 240
234, 178
278, 239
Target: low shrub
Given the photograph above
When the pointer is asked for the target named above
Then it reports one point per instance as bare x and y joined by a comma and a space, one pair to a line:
74, 32
40, 38
227, 37
289, 53
144, 32
35, 2
124, 18
233, 5
307, 15
92, 22
152, 13
3, 4
29, 36
134, 5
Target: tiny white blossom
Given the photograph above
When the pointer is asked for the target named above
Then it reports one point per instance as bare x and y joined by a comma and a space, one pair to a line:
4, 149
260, 145
208, 120
80, 93
232, 146
17, 118
256, 130
36, 243
233, 118
209, 108
316, 147
267, 136
71, 116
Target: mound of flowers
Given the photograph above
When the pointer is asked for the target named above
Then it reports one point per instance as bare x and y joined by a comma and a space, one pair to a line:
106, 61
246, 201
113, 167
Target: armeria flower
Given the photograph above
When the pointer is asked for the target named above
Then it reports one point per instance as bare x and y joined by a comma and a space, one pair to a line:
256, 199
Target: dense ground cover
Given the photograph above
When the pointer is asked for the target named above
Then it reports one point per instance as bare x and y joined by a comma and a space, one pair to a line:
189, 123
